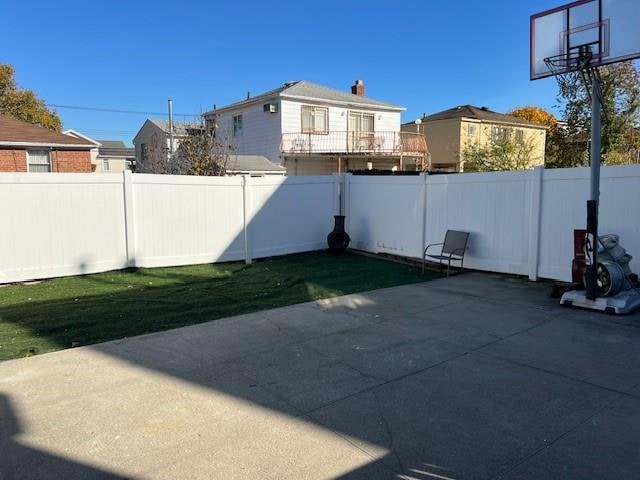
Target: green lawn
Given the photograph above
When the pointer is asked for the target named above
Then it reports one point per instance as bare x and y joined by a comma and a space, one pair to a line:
53, 314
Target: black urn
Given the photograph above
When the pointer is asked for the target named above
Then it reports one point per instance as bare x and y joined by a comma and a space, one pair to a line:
338, 239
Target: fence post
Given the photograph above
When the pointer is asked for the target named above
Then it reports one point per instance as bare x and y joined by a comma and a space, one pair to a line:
246, 215
534, 221
346, 200
424, 178
129, 226
337, 194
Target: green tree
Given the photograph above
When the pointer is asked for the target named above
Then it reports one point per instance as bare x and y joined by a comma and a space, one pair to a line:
501, 152
555, 146
23, 104
621, 103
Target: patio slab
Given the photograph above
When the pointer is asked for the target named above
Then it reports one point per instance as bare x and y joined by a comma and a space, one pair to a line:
474, 376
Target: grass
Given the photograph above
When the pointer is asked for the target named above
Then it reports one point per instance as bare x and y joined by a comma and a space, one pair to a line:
82, 310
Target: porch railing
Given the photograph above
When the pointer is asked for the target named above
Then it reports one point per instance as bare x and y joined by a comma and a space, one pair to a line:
364, 143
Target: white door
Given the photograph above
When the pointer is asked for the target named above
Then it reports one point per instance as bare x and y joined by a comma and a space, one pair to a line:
360, 132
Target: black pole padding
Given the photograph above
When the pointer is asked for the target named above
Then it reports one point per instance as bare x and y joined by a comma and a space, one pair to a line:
592, 250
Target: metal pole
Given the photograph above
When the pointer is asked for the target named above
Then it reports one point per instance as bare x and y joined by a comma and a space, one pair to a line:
594, 197
170, 128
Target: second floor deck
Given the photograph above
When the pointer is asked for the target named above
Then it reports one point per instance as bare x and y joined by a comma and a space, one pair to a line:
385, 143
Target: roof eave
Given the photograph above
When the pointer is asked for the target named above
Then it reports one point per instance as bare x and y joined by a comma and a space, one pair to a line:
340, 102
81, 146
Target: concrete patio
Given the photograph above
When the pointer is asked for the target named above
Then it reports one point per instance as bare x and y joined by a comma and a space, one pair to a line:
475, 376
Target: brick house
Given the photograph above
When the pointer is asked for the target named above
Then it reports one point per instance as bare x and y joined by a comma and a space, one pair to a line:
29, 148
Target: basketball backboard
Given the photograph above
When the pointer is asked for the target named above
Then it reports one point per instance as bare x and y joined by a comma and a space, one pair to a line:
599, 32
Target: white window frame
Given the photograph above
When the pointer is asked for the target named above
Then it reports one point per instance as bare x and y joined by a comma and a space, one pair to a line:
519, 135
499, 133
39, 151
238, 125
314, 110
472, 129
106, 166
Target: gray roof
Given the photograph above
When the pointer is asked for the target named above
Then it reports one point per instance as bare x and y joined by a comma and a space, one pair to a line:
477, 113
179, 128
112, 143
252, 163
115, 148
304, 89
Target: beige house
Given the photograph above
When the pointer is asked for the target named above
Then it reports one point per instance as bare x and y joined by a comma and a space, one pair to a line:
450, 131
107, 156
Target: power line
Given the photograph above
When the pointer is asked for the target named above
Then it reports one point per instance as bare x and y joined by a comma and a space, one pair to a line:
113, 110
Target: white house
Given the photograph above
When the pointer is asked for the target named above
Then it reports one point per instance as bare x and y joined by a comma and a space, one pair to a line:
153, 139
312, 130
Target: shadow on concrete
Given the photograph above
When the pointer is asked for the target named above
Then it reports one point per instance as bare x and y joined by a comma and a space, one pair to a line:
432, 375
21, 461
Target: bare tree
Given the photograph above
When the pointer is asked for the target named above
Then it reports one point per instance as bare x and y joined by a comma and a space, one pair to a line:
200, 152
154, 156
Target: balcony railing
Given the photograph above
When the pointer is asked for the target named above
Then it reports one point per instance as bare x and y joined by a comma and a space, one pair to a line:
354, 143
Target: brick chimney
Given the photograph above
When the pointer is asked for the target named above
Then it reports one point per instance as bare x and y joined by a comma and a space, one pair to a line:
358, 88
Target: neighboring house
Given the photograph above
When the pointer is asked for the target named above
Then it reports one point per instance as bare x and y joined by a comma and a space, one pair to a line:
311, 130
115, 156
450, 131
256, 165
153, 140
25, 147
108, 156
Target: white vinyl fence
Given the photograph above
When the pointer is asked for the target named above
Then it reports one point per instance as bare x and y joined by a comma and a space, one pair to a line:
68, 224
520, 222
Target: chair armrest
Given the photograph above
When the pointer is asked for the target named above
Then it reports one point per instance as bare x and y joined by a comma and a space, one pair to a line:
432, 245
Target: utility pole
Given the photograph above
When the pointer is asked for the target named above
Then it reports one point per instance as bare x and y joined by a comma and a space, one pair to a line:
170, 128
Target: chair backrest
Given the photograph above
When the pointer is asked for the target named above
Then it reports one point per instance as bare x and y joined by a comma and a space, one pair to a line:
455, 241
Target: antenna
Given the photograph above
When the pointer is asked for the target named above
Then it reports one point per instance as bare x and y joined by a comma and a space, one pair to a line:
170, 127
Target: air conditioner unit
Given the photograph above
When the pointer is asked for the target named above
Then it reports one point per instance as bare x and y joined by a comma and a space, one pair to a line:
270, 107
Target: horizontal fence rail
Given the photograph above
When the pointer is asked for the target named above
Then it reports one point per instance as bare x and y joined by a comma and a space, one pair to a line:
346, 142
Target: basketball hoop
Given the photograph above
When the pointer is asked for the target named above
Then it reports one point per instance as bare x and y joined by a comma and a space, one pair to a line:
578, 38
578, 60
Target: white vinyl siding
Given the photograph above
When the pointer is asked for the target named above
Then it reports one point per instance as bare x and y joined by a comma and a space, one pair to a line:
315, 119
262, 131
38, 161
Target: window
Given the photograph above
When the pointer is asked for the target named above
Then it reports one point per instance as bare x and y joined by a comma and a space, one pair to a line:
237, 125
315, 119
144, 151
499, 133
519, 136
105, 165
210, 126
361, 122
39, 161
471, 130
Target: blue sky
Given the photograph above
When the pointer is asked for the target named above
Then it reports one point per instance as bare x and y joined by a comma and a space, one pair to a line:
132, 55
